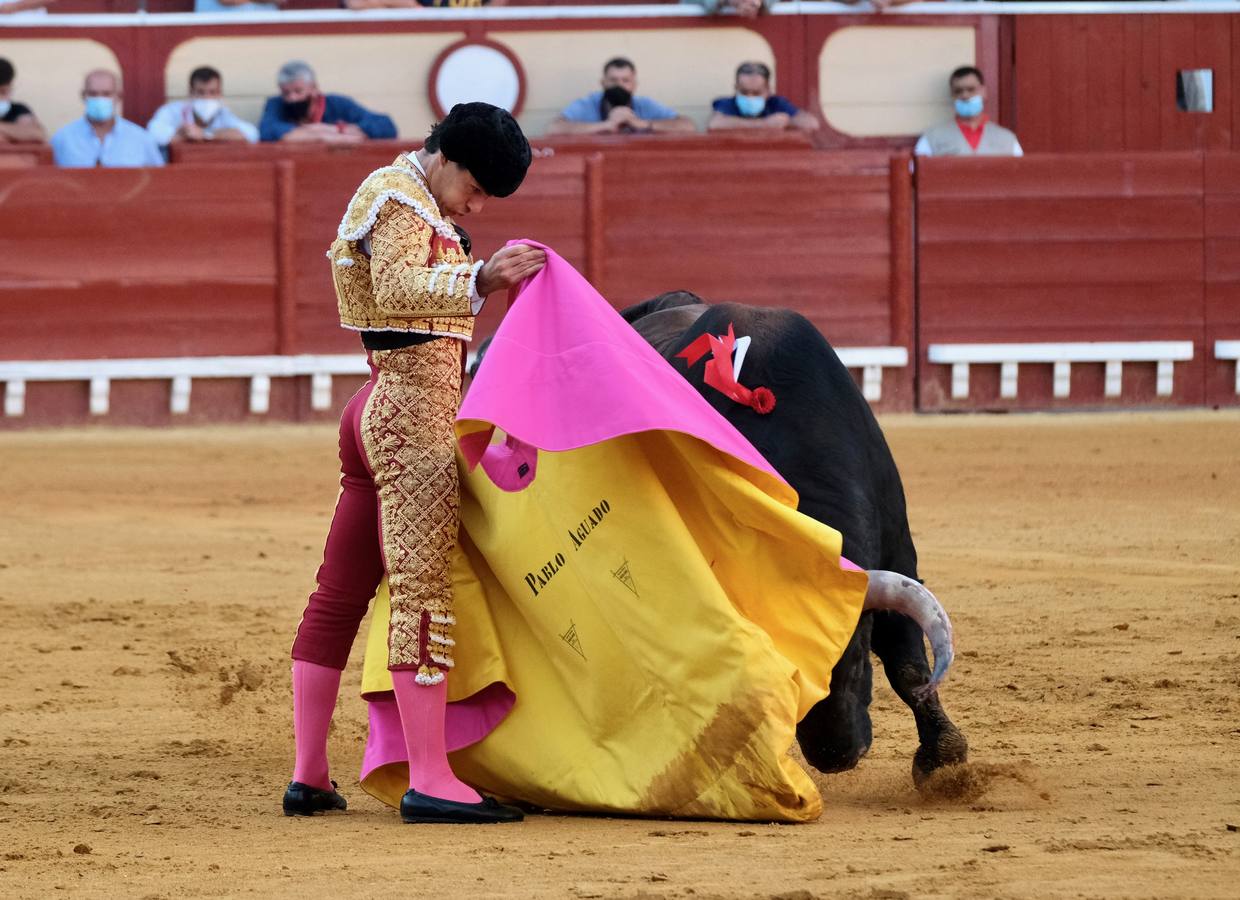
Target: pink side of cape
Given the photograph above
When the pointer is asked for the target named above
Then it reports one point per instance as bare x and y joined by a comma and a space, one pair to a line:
566, 371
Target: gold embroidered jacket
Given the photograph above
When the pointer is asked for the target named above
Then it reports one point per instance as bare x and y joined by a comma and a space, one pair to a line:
417, 277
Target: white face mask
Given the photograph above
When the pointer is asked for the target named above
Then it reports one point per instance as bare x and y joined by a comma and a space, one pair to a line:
5, 106
206, 108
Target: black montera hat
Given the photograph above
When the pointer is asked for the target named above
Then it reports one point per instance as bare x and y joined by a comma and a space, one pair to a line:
488, 142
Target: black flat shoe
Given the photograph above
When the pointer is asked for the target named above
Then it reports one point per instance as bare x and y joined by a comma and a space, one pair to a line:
415, 808
304, 800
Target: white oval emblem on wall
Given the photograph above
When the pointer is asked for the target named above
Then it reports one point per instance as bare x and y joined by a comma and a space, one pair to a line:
472, 71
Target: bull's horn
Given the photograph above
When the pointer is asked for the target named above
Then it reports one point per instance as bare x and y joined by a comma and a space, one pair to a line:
898, 593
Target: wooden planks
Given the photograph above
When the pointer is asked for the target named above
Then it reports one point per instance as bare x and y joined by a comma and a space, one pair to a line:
1222, 273
1108, 82
1062, 249
123, 262
808, 231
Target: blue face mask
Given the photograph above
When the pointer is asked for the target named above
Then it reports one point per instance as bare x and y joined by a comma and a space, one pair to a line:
750, 106
967, 109
99, 109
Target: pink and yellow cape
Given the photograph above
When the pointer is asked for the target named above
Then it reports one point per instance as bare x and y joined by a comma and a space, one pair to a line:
643, 616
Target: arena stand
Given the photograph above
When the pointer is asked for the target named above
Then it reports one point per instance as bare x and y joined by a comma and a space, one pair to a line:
1100, 270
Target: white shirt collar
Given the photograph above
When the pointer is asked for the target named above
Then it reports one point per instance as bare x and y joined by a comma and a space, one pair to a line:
412, 156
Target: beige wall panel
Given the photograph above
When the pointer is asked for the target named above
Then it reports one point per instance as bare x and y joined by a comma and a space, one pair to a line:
876, 80
386, 73
685, 68
54, 91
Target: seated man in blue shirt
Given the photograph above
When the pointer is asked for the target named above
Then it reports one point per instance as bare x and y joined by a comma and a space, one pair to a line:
303, 113
102, 137
617, 108
754, 106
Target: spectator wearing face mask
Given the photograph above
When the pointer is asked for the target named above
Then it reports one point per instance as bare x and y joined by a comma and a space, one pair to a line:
101, 137
18, 124
618, 108
304, 113
971, 133
753, 106
201, 117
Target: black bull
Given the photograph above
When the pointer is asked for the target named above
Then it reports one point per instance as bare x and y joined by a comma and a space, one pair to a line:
824, 440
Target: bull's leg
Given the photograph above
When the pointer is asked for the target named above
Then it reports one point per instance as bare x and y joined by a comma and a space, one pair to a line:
836, 732
897, 640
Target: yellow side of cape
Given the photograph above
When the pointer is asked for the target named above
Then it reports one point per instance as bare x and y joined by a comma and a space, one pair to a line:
664, 617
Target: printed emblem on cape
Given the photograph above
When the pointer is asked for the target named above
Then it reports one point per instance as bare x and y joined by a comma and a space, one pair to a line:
625, 576
571, 638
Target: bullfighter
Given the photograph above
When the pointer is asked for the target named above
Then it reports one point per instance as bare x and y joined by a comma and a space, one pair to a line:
405, 280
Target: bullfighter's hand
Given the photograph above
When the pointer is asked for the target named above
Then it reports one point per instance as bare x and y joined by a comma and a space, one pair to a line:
510, 266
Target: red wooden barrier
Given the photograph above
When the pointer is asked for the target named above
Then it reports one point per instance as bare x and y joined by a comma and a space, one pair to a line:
1060, 249
102, 263
808, 231
18, 156
1222, 249
1108, 82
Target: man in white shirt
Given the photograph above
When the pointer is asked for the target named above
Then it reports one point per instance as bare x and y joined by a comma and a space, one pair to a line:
971, 133
201, 117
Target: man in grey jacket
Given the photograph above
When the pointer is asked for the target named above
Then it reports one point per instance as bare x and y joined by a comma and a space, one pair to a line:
971, 133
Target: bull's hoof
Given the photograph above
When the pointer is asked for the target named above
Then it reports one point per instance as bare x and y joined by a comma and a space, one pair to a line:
951, 749
830, 762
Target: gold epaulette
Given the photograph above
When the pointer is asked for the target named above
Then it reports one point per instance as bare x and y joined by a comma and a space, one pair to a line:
400, 182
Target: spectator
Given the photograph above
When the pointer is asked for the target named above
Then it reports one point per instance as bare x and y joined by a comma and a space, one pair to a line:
753, 106
102, 137
746, 9
303, 113
235, 6
972, 133
203, 117
18, 124
617, 108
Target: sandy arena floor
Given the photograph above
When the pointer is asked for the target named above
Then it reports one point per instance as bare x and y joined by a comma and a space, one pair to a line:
150, 582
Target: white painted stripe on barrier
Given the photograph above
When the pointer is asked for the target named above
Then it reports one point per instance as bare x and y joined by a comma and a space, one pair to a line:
181, 371
178, 403
1062, 379
260, 394
872, 383
960, 381
859, 357
1229, 350
1009, 377
1114, 377
100, 393
1130, 351
321, 391
14, 397
1166, 377
1009, 358
871, 361
193, 366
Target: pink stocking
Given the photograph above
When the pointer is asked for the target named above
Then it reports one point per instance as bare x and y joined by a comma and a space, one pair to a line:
314, 700
423, 711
